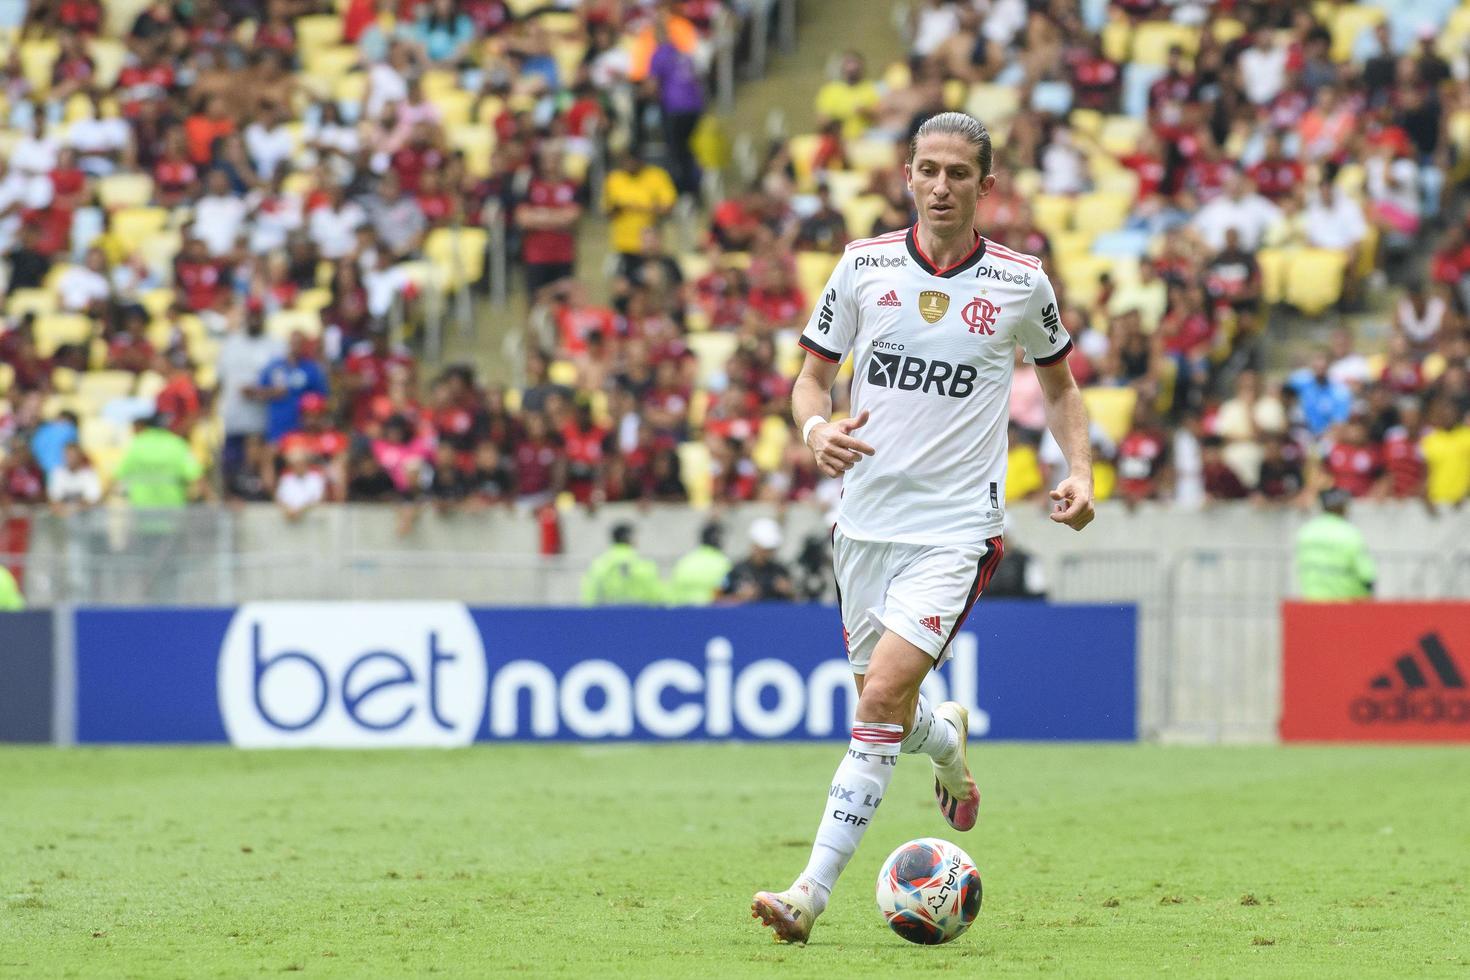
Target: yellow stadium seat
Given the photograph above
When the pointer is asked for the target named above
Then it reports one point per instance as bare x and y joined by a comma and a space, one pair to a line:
513, 400
105, 461
1101, 211
55, 329
869, 154
1314, 279
158, 250
1052, 213
1347, 22
562, 373
803, 151
694, 467
1273, 263
1452, 37
124, 191
1227, 29
712, 351
454, 106
897, 76
283, 323
1367, 258
1111, 409
490, 108
992, 102
568, 53
316, 32
314, 300
149, 384
1066, 244
812, 271
157, 301
351, 88
1082, 273
1117, 35
105, 385
1153, 39
132, 225
330, 65
694, 265
1088, 121
770, 443
121, 14
1116, 180
861, 212
108, 56
437, 81
457, 254
477, 143
99, 433
845, 185
7, 378
36, 60
1120, 134
1104, 479
37, 301
64, 380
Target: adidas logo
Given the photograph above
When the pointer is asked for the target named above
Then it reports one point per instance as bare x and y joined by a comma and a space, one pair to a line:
890, 298
1424, 686
932, 623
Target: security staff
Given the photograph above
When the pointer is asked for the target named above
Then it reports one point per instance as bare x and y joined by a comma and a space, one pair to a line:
1332, 563
698, 575
621, 576
11, 599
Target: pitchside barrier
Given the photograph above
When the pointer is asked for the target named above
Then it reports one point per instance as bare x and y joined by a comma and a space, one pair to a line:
27, 679
1376, 672
385, 674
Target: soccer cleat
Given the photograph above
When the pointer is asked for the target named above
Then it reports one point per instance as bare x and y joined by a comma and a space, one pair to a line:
954, 788
788, 913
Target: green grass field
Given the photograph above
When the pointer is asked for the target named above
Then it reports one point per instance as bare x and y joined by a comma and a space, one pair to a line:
640, 862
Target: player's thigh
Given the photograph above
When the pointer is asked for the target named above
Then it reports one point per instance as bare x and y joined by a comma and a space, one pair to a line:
932, 594
862, 572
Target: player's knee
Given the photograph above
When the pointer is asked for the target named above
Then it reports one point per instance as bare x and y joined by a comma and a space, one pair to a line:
886, 703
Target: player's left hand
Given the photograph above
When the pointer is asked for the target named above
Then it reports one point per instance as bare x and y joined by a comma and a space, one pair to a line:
1073, 498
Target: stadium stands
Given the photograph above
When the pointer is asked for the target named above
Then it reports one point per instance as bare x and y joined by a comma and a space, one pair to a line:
1202, 181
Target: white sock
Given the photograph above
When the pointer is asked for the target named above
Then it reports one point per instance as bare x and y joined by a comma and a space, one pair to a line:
930, 736
857, 789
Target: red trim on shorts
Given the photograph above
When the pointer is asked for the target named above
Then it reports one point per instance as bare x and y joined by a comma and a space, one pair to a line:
994, 551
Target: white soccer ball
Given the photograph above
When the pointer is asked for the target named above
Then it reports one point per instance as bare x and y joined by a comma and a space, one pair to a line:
929, 891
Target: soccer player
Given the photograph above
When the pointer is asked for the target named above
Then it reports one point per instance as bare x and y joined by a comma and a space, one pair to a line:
932, 316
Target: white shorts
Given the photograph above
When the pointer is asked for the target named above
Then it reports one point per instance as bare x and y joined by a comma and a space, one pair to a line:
921, 592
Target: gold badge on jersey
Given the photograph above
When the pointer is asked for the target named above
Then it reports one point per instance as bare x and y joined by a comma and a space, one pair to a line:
933, 305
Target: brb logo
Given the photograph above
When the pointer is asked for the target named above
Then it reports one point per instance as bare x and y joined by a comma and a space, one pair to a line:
918, 374
351, 675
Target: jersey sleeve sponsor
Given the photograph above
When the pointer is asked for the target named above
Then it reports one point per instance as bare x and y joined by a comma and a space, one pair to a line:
833, 324
1040, 332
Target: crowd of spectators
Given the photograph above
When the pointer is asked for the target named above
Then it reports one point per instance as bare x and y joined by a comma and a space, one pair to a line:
219, 218
1182, 168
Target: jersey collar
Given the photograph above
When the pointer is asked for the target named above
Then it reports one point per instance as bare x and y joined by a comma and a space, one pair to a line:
917, 254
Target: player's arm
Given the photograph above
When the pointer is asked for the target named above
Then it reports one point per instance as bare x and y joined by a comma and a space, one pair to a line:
832, 444
828, 336
1066, 416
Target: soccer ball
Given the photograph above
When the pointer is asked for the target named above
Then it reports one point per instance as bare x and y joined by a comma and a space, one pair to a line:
929, 891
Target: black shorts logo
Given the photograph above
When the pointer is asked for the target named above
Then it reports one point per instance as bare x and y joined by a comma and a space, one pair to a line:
919, 374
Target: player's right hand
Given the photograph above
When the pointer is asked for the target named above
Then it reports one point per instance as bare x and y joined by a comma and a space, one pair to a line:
834, 448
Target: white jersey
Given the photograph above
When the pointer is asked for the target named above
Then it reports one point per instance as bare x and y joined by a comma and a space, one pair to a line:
933, 354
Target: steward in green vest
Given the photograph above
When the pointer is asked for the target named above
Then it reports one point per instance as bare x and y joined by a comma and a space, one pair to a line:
622, 577
699, 575
1332, 563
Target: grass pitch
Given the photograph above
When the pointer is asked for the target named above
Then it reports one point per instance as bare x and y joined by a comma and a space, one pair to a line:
640, 861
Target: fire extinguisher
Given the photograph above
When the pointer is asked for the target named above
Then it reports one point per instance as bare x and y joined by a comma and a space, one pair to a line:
550, 524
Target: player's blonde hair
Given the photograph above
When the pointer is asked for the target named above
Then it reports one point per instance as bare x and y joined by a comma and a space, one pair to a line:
960, 124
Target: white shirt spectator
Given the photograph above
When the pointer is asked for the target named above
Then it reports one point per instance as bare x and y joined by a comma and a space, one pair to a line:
1263, 71
336, 137
68, 486
1422, 328
1338, 224
1352, 370
1250, 215
269, 147
275, 217
218, 220
1005, 20
1063, 168
35, 157
298, 491
1189, 470
95, 140
335, 231
382, 286
80, 287
936, 23
385, 87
